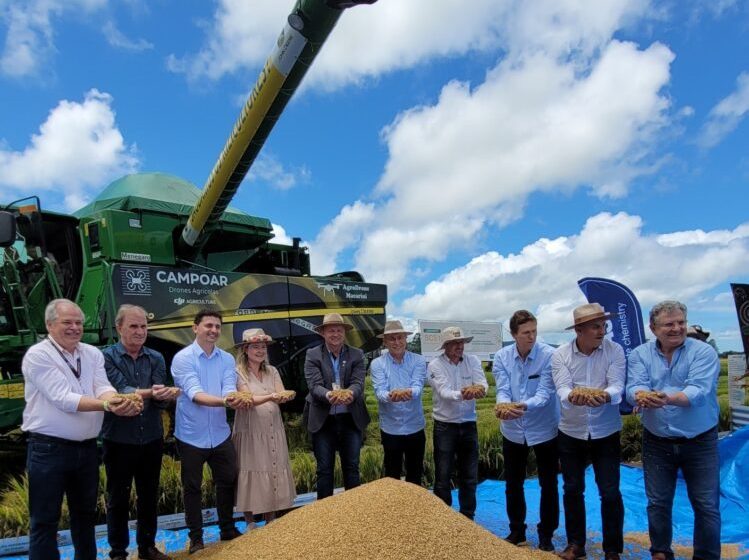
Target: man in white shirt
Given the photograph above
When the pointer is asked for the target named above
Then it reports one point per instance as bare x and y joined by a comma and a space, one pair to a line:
67, 393
590, 427
456, 381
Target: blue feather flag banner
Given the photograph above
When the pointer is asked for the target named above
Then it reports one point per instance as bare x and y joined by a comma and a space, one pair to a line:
627, 326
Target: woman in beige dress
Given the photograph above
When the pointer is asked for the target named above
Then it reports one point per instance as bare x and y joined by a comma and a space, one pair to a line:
265, 483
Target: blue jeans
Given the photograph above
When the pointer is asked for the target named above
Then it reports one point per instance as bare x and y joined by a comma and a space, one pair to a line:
58, 467
605, 454
456, 441
339, 433
697, 458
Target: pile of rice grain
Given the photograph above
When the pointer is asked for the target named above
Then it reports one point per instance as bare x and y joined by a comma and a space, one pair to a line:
385, 519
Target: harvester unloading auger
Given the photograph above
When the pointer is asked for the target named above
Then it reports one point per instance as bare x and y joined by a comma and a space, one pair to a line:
157, 241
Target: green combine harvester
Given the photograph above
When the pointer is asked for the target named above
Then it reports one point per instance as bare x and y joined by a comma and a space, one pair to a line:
157, 241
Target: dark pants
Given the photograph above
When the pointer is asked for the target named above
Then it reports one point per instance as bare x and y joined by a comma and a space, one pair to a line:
410, 447
698, 460
338, 433
222, 460
58, 467
456, 444
605, 454
125, 463
547, 460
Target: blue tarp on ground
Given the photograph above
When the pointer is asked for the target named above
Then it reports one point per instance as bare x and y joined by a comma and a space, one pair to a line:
734, 476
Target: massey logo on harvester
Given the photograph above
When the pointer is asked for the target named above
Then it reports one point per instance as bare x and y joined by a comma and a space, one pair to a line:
202, 278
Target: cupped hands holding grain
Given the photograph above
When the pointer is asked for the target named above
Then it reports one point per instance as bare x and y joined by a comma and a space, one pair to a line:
341, 396
509, 410
473, 392
400, 395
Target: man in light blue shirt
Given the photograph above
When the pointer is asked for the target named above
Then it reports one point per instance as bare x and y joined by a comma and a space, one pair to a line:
674, 380
522, 374
398, 378
206, 376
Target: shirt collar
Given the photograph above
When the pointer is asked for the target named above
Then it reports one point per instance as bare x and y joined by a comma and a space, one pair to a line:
122, 351
59, 346
678, 348
576, 350
531, 355
403, 360
197, 349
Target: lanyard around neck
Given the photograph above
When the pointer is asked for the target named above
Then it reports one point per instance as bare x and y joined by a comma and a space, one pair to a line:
76, 370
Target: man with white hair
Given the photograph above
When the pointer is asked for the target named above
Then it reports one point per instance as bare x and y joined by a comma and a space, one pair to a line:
456, 380
67, 393
132, 447
589, 373
674, 380
398, 378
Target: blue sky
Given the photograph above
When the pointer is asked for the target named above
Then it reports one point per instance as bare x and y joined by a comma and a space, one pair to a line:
478, 157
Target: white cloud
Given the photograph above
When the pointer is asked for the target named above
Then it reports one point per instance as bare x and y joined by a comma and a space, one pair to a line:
280, 235
543, 276
119, 40
727, 114
29, 41
77, 148
343, 231
267, 168
700, 237
535, 124
372, 40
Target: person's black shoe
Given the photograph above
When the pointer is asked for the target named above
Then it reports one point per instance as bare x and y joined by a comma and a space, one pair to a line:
516, 537
152, 553
230, 534
572, 552
195, 545
545, 544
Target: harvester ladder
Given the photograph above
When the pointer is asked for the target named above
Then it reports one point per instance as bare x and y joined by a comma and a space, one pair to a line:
18, 302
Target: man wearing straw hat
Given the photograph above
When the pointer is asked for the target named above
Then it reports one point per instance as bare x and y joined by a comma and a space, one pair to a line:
594, 367
456, 380
334, 410
398, 377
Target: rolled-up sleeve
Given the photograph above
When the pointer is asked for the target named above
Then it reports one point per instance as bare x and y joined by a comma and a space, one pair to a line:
44, 375
101, 382
545, 390
379, 380
419, 376
438, 381
703, 372
501, 380
229, 376
638, 374
562, 378
185, 377
616, 374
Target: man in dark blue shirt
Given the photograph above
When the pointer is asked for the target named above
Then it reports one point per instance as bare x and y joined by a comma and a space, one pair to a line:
133, 446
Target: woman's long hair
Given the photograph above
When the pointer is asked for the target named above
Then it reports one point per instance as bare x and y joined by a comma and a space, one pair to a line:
243, 364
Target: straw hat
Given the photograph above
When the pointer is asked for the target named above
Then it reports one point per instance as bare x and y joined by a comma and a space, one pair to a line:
588, 312
252, 336
332, 319
453, 334
393, 327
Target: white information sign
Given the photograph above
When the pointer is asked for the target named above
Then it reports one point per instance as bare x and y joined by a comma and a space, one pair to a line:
487, 337
738, 390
